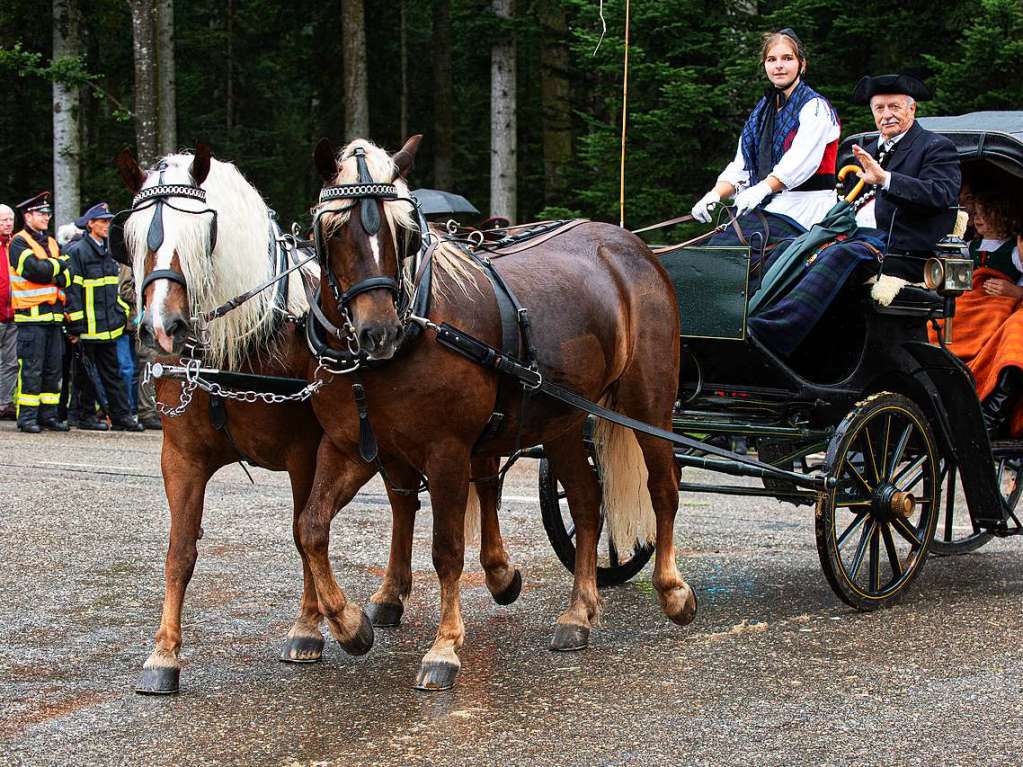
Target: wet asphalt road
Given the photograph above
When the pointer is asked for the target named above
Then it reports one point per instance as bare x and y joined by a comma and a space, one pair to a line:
774, 670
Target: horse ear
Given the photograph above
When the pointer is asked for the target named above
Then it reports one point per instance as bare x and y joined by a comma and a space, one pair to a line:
406, 156
129, 171
200, 163
326, 160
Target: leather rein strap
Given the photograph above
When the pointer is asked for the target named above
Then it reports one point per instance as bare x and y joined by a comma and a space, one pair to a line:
485, 355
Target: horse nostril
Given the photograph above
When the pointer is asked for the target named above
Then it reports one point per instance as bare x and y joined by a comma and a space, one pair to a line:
176, 326
146, 337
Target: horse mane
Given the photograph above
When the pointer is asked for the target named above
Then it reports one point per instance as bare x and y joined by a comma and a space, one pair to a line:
240, 261
454, 264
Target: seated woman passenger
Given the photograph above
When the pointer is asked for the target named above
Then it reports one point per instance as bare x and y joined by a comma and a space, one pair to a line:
785, 161
988, 331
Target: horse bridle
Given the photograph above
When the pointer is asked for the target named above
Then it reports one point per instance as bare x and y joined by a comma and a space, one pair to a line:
159, 195
365, 194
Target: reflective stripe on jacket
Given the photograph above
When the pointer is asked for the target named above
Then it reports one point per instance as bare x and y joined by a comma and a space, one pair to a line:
38, 277
96, 311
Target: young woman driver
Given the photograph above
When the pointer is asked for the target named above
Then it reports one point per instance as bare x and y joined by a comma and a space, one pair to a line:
785, 162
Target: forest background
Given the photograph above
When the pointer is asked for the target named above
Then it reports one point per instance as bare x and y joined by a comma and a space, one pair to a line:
519, 106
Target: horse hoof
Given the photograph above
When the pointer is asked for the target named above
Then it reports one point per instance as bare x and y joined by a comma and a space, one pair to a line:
385, 614
361, 643
159, 680
436, 675
686, 613
302, 649
569, 637
511, 592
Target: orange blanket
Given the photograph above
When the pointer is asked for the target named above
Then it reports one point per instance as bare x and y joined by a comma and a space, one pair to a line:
1003, 349
978, 317
987, 334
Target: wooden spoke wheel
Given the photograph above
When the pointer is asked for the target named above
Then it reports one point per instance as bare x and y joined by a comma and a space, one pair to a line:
956, 533
613, 568
874, 527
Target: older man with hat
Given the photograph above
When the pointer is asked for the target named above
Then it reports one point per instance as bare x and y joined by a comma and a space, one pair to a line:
96, 319
909, 207
914, 175
39, 276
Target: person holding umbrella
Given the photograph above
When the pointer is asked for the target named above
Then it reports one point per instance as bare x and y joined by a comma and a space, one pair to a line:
96, 319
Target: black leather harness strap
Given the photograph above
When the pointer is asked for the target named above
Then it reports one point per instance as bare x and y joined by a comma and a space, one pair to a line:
218, 420
515, 340
483, 354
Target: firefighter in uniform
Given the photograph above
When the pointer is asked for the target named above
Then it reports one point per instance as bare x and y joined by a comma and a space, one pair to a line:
39, 275
96, 319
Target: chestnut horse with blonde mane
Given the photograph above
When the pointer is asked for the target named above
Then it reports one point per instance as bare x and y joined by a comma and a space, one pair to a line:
263, 336
605, 324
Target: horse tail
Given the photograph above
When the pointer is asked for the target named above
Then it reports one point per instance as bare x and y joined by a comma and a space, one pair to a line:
627, 507
472, 516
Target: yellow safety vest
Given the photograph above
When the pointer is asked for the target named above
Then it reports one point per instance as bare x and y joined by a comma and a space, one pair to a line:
26, 294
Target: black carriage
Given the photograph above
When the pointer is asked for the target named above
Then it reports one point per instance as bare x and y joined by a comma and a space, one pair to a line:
868, 423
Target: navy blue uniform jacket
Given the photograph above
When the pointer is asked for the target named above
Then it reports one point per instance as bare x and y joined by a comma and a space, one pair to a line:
923, 193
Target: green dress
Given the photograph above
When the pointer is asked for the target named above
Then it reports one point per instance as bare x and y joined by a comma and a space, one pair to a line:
995, 256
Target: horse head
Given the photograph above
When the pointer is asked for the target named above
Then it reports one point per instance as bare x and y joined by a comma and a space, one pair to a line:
365, 212
168, 221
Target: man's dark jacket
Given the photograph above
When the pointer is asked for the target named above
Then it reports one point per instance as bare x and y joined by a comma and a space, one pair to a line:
923, 193
95, 310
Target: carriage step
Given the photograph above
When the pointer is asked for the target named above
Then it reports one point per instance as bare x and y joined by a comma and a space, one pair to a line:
1004, 531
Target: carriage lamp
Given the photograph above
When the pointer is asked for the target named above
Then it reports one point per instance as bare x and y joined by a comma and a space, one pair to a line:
949, 275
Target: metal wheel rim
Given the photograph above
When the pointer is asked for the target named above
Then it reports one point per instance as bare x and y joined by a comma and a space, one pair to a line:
877, 554
608, 557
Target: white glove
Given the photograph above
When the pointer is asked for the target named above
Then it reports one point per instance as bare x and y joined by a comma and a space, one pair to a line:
750, 198
701, 210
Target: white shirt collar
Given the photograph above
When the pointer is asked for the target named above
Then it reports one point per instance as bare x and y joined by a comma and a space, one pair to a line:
887, 145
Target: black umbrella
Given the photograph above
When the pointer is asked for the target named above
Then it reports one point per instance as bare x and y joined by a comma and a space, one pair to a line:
434, 202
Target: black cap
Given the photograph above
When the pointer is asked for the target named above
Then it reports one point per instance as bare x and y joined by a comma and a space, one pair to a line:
98, 211
907, 85
41, 203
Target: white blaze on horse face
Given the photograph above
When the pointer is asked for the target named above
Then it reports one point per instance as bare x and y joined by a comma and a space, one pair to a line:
161, 290
374, 244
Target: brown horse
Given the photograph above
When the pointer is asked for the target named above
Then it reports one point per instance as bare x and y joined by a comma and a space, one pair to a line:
263, 336
605, 323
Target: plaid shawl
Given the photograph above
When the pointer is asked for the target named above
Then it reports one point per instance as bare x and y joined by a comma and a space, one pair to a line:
786, 321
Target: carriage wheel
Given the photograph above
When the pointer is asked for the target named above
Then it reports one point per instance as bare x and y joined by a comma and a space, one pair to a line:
873, 528
956, 533
612, 568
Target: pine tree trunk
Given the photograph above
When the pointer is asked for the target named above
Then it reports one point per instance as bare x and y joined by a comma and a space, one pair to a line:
443, 97
229, 100
403, 122
554, 95
66, 129
143, 27
353, 58
503, 128
167, 93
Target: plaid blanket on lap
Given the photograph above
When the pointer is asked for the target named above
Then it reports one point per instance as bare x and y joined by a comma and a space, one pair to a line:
784, 323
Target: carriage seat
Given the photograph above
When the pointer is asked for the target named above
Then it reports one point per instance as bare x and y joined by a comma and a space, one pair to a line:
891, 295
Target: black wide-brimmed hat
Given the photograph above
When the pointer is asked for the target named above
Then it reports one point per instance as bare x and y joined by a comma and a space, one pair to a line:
907, 85
41, 203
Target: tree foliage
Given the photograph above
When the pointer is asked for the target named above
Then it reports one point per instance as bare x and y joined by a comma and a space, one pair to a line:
694, 76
